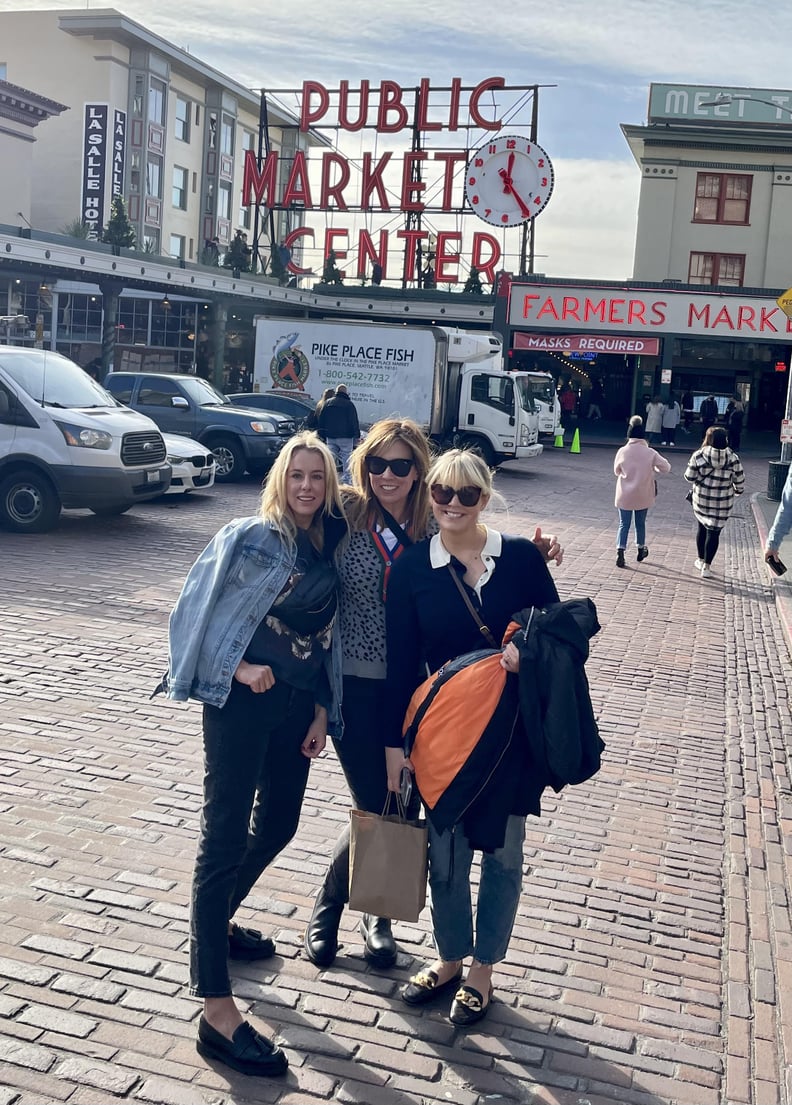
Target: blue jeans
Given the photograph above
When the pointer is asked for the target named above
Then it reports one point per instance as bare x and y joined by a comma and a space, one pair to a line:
450, 857
625, 518
254, 780
341, 448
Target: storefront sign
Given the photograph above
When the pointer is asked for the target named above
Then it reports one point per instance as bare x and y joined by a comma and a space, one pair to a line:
696, 103
587, 343
94, 168
786, 430
119, 153
665, 376
621, 311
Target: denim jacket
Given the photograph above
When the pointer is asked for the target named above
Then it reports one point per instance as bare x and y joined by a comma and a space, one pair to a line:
227, 592
782, 523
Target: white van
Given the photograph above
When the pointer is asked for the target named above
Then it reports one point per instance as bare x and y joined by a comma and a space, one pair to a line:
65, 442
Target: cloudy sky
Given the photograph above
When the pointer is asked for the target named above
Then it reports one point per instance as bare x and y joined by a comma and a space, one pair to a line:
600, 56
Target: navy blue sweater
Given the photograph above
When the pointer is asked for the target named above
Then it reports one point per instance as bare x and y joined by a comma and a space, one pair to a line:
428, 622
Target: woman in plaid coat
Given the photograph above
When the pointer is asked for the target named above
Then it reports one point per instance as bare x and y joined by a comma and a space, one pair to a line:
717, 476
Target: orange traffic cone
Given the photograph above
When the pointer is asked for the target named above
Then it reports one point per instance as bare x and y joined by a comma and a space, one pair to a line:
575, 447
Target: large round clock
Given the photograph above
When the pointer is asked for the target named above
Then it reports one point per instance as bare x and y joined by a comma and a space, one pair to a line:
509, 180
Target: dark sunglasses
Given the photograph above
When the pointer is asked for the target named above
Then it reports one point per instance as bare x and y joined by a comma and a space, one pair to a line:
442, 495
376, 466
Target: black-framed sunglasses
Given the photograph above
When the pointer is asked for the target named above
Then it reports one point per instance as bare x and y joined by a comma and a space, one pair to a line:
377, 466
442, 495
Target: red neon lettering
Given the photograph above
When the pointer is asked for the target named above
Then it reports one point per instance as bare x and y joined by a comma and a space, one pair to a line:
366, 253
410, 183
343, 106
613, 311
259, 187
485, 267
329, 244
766, 320
442, 258
570, 308
723, 316
423, 108
658, 312
698, 316
289, 241
547, 308
593, 310
307, 116
527, 306
453, 107
390, 98
298, 190
636, 309
745, 317
372, 181
411, 237
334, 191
475, 96
451, 160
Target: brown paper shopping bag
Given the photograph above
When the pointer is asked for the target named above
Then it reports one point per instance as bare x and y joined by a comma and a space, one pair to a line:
387, 865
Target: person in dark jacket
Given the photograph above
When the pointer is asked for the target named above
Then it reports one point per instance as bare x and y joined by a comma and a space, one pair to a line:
709, 413
338, 425
427, 619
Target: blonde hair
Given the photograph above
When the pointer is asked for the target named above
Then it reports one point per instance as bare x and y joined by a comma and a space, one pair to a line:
362, 505
274, 508
461, 468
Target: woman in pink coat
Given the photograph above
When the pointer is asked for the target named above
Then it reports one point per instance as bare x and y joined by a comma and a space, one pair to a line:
635, 465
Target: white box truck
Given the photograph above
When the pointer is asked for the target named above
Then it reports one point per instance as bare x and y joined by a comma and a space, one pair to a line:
449, 381
542, 388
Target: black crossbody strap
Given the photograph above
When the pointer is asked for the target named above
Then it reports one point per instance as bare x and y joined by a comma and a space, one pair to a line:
483, 629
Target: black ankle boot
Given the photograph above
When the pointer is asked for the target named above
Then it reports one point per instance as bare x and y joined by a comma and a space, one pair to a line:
620, 558
321, 936
643, 552
380, 947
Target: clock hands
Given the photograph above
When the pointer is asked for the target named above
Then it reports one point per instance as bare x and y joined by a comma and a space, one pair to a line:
509, 189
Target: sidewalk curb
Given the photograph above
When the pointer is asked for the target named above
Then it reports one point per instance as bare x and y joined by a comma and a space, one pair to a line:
782, 590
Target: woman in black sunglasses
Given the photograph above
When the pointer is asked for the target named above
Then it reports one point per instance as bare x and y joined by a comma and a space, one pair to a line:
429, 619
388, 509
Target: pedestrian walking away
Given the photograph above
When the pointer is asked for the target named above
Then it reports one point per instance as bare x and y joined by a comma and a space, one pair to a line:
717, 477
735, 417
782, 523
654, 420
312, 421
388, 509
252, 637
428, 620
567, 400
671, 418
338, 425
709, 414
635, 466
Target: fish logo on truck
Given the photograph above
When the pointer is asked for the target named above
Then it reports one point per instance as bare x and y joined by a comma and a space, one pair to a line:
289, 367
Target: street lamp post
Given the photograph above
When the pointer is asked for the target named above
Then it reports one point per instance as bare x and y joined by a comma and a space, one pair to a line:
779, 468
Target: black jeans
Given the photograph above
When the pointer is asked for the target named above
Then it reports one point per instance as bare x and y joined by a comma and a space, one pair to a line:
254, 782
707, 541
361, 754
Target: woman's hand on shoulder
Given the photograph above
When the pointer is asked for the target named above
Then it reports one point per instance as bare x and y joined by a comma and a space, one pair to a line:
258, 677
548, 545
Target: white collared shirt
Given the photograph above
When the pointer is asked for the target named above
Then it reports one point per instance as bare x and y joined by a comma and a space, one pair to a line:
439, 556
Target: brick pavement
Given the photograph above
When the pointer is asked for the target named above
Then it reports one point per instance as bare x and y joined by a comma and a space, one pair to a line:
652, 957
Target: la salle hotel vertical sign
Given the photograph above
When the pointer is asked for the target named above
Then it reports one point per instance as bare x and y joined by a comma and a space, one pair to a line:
94, 174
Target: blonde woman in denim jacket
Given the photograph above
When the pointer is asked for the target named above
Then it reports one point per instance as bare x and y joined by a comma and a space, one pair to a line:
252, 637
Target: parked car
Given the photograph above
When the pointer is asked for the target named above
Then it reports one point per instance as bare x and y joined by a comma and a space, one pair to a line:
240, 438
193, 469
298, 406
66, 443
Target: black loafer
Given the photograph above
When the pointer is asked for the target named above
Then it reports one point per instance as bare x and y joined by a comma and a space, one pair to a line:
423, 987
468, 1006
380, 947
249, 944
247, 1051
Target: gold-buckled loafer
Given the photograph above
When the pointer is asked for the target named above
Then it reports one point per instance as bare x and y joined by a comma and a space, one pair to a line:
469, 1006
424, 987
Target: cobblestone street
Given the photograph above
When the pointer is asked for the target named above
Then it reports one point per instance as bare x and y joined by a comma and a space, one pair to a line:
652, 957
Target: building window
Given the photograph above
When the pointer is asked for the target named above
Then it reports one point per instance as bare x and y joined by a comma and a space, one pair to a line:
717, 268
180, 183
224, 201
156, 102
245, 220
182, 124
722, 198
154, 176
177, 246
227, 135
151, 240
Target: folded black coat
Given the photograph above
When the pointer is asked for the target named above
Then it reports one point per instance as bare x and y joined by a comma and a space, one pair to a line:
555, 703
